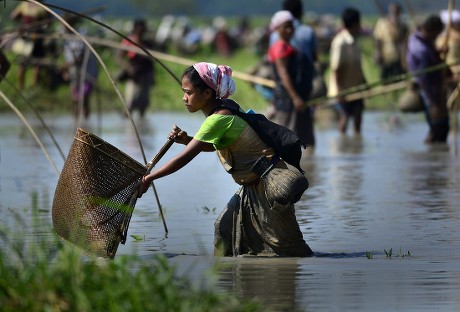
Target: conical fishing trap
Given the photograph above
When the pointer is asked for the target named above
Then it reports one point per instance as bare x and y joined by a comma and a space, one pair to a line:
93, 201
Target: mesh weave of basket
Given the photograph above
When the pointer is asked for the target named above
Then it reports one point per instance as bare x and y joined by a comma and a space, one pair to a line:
91, 206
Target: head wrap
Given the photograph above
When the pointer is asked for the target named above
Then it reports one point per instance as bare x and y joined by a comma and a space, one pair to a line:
279, 18
218, 78
445, 16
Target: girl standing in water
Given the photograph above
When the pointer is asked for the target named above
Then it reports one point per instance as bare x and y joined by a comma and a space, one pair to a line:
250, 224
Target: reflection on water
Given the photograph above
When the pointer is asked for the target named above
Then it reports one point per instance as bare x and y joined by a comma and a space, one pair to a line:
274, 282
380, 191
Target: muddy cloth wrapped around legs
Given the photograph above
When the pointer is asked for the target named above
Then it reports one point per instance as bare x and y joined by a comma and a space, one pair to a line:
282, 185
251, 223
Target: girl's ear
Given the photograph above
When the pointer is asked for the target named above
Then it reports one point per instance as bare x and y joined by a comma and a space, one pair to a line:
208, 93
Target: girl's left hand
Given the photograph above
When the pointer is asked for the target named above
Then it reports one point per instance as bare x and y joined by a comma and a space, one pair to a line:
179, 136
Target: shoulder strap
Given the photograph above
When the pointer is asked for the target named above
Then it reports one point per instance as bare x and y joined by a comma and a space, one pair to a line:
285, 142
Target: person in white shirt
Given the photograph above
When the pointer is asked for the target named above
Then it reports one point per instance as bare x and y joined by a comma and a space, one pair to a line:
346, 69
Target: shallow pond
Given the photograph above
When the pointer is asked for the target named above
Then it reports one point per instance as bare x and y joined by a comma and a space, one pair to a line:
384, 191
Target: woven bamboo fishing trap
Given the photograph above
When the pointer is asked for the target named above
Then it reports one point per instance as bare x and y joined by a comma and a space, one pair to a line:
93, 204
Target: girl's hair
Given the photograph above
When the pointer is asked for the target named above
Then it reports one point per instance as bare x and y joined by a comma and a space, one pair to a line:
192, 74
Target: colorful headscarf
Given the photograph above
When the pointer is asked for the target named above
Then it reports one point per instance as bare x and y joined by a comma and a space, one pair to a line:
279, 18
218, 78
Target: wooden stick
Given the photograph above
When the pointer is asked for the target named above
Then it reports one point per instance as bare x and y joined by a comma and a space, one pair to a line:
445, 42
327, 102
178, 60
455, 126
453, 109
452, 101
160, 154
31, 130
149, 167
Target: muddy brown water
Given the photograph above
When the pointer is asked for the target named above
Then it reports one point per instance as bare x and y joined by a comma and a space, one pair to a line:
384, 191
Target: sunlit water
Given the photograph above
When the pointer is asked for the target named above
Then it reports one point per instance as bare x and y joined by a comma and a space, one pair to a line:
384, 191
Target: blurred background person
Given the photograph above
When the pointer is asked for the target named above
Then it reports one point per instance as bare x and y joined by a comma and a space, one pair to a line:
224, 43
390, 36
33, 21
80, 70
138, 70
291, 91
448, 43
346, 70
421, 55
163, 33
304, 40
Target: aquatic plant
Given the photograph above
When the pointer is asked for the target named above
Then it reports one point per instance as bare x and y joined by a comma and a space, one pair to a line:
138, 237
389, 252
401, 254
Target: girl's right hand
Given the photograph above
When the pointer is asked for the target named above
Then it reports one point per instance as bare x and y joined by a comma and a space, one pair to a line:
144, 185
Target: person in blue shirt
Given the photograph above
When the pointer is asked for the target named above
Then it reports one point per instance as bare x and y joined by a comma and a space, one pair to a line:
422, 54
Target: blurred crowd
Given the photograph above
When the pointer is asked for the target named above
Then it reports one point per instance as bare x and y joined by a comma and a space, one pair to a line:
398, 49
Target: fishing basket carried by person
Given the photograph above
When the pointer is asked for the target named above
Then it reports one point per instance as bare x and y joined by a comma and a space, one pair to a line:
96, 194
410, 101
282, 185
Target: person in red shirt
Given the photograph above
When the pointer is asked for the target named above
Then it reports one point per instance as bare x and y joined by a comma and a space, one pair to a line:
290, 93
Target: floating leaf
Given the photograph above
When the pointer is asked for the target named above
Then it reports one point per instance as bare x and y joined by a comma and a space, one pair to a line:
137, 237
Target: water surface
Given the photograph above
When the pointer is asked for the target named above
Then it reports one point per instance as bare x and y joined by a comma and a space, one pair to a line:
383, 191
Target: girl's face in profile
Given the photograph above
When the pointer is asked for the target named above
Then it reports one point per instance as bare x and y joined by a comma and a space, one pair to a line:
193, 98
286, 30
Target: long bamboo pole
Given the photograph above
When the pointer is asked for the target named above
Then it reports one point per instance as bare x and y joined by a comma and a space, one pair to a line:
452, 101
113, 84
37, 114
29, 127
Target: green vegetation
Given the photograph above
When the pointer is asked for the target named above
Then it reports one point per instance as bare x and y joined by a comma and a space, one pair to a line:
66, 282
54, 276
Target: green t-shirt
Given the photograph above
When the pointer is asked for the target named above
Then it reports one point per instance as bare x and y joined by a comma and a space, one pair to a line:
220, 130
